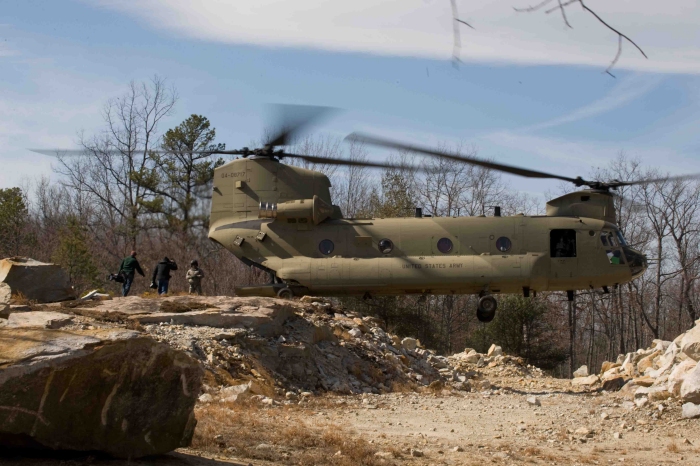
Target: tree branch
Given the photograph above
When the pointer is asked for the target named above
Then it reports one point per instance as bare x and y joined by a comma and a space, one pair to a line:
561, 6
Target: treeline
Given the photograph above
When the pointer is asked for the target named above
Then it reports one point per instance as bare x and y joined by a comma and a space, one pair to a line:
140, 186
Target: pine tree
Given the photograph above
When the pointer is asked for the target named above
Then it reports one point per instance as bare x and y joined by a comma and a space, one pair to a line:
74, 255
14, 216
182, 176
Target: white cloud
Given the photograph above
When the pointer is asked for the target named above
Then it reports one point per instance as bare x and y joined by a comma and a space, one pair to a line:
667, 33
60, 104
625, 92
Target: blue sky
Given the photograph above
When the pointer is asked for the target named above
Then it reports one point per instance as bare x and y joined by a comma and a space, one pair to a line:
530, 92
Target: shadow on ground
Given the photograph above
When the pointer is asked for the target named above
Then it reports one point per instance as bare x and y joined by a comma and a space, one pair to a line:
53, 458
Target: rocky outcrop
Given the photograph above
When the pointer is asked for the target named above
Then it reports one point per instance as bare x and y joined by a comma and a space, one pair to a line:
36, 281
109, 390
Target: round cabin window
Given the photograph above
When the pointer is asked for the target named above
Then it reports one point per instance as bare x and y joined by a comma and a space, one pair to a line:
444, 245
503, 244
385, 246
326, 247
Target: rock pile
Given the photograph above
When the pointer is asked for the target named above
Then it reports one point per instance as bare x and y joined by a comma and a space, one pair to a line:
274, 348
665, 370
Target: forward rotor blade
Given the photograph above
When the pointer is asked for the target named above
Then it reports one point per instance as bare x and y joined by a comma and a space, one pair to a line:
375, 141
293, 119
88, 153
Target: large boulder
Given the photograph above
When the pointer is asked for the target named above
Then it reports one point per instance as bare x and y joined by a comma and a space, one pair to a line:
36, 281
675, 380
581, 372
5, 295
585, 381
690, 343
114, 391
690, 388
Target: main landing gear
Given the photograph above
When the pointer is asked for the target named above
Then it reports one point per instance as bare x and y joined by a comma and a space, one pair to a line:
486, 308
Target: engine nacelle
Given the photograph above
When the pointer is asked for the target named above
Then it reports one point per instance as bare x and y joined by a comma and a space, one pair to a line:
314, 210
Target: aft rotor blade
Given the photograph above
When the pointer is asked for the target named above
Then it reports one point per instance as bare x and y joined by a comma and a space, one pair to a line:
348, 162
617, 184
293, 119
375, 141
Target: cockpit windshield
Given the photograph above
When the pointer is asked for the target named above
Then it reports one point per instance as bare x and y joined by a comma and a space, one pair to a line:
621, 238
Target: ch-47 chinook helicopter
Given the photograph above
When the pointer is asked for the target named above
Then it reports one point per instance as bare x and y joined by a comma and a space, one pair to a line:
281, 219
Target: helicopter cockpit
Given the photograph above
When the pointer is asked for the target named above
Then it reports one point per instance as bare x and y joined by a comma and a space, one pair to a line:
620, 253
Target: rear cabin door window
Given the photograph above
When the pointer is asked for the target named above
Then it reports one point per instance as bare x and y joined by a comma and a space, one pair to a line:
562, 243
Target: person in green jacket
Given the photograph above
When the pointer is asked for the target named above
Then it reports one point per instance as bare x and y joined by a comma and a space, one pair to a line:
128, 267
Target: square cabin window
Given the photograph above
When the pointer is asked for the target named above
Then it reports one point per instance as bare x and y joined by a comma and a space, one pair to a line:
562, 243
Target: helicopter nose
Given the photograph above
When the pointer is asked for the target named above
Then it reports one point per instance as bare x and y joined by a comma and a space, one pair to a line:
637, 261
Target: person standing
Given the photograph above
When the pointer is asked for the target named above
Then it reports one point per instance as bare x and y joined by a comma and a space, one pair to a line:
127, 268
161, 274
194, 278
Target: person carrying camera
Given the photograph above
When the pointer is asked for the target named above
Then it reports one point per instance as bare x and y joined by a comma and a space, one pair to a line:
161, 275
127, 269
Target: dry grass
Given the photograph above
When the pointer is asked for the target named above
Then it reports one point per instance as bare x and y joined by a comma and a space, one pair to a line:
531, 451
286, 435
673, 447
19, 299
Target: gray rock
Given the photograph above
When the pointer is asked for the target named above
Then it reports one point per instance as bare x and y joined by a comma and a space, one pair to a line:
585, 381
36, 281
107, 390
236, 393
690, 411
409, 343
581, 372
265, 321
641, 402
495, 351
38, 319
533, 400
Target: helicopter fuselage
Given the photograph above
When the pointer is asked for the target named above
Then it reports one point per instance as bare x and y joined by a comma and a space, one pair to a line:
436, 255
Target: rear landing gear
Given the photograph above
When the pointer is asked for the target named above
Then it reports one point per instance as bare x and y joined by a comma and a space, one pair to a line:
486, 308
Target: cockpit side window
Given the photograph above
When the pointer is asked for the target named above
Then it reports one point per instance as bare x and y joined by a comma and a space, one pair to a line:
562, 243
611, 241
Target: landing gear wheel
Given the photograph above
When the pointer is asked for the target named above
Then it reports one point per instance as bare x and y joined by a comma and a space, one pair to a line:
285, 293
486, 309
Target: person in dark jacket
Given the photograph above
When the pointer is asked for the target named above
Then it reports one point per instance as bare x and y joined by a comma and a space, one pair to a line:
161, 274
127, 268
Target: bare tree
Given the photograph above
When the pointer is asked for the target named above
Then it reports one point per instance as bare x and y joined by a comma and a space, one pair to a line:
117, 161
